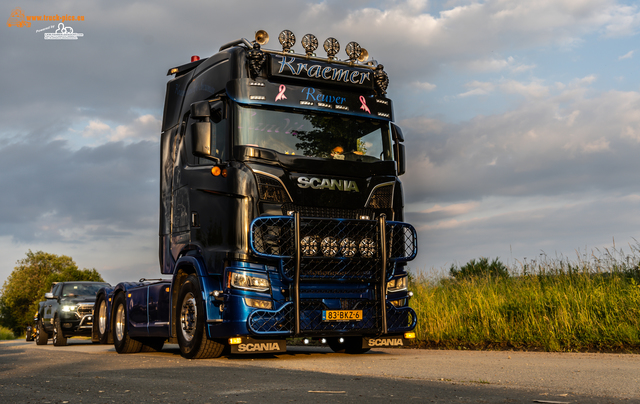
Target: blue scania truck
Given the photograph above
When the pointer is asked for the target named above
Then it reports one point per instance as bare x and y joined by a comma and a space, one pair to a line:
281, 209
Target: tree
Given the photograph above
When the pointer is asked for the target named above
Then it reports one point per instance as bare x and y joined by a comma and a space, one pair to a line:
30, 280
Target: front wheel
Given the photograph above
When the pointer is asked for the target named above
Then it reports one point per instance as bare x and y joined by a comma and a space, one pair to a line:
190, 315
121, 339
29, 334
58, 338
100, 321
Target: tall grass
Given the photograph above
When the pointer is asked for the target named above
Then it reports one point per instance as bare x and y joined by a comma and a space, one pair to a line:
592, 303
6, 333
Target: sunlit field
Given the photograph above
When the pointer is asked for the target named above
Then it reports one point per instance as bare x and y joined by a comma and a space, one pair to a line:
588, 304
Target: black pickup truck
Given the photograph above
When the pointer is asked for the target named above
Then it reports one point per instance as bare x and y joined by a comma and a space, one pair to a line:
67, 312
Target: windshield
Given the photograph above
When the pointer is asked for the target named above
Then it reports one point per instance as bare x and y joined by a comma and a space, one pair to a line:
81, 289
337, 137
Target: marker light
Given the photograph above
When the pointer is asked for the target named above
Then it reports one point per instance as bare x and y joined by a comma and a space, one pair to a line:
353, 50
332, 47
195, 58
409, 335
216, 171
235, 341
310, 44
287, 40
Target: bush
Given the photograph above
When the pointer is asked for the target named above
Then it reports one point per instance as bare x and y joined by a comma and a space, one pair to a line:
6, 333
480, 269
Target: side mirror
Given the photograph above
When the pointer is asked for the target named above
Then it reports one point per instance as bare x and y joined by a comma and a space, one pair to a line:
202, 135
49, 295
200, 110
396, 133
400, 158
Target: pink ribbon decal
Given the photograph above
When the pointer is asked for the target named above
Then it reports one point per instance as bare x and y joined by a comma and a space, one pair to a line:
280, 95
364, 104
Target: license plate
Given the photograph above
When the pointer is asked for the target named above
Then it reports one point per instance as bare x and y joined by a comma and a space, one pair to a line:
341, 315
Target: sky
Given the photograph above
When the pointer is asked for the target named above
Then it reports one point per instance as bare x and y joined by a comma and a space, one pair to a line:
521, 119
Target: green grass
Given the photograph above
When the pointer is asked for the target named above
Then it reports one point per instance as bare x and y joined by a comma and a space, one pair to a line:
6, 333
553, 305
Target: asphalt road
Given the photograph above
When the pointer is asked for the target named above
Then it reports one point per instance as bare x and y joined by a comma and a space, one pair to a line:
87, 373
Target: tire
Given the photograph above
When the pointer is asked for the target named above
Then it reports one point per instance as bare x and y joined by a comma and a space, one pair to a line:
58, 337
29, 334
121, 339
190, 323
41, 335
100, 329
351, 345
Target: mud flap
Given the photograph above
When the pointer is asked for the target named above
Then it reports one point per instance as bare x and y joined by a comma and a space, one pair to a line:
248, 345
384, 342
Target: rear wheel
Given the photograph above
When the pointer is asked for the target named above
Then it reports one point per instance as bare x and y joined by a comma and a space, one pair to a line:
100, 321
41, 335
58, 338
190, 315
121, 339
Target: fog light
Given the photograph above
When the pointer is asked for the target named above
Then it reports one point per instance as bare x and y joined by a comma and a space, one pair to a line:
323, 340
399, 303
348, 247
341, 340
258, 304
367, 247
309, 246
329, 247
306, 341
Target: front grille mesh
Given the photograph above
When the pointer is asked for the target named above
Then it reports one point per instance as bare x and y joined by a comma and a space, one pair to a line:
279, 322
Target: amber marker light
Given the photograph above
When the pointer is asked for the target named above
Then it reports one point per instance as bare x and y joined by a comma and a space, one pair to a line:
216, 171
235, 341
409, 335
224, 172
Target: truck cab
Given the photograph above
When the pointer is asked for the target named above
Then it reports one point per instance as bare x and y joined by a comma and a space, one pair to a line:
281, 207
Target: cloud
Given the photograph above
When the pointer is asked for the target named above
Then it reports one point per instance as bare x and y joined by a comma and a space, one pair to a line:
423, 85
627, 55
477, 88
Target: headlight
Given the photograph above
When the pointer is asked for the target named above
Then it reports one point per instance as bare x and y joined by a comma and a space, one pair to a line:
68, 308
248, 282
397, 284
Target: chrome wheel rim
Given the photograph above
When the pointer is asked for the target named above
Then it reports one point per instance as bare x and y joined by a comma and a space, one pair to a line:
188, 317
55, 332
102, 318
120, 323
